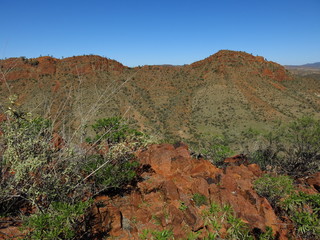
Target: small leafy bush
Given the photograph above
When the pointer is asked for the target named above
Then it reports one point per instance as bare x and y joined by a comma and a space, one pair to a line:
59, 221
113, 172
216, 217
193, 235
304, 210
117, 166
274, 187
156, 235
267, 235
217, 150
113, 130
199, 199
163, 235
237, 229
183, 206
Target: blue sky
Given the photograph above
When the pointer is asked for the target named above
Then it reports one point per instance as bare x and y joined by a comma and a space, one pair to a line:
161, 32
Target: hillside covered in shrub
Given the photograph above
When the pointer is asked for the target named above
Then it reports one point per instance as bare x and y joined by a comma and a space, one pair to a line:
225, 93
122, 184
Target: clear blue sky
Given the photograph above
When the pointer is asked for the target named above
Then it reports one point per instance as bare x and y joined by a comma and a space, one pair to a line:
140, 32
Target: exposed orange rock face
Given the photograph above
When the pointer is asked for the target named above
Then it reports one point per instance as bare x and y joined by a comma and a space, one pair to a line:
2, 117
267, 72
88, 64
173, 178
35, 68
314, 181
57, 141
23, 68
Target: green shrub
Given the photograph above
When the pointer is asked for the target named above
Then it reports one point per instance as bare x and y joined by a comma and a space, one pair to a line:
113, 130
59, 221
163, 235
116, 167
112, 172
274, 187
199, 199
193, 235
264, 148
183, 206
302, 147
267, 235
217, 150
216, 217
237, 229
304, 210
156, 235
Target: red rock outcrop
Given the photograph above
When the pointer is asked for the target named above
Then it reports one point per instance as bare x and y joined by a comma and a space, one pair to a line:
163, 198
37, 68
172, 180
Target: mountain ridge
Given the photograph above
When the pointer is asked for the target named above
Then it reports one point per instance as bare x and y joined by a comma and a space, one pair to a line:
227, 90
308, 65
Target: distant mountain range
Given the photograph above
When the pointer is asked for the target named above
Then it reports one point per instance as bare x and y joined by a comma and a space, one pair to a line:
308, 65
305, 69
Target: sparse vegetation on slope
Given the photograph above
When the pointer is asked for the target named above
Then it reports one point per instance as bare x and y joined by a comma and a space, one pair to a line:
293, 148
226, 91
67, 175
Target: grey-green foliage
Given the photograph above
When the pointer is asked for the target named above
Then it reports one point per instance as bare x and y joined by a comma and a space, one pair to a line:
163, 235
26, 143
33, 172
54, 181
116, 167
267, 235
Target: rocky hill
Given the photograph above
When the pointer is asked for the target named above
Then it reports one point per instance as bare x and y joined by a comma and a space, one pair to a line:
225, 92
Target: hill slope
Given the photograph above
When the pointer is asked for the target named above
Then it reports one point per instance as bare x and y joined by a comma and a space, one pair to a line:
226, 92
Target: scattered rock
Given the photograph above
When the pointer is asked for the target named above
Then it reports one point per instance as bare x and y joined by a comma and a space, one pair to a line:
163, 200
